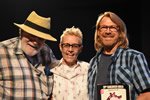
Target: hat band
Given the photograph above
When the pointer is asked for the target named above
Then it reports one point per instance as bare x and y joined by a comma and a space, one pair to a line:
37, 27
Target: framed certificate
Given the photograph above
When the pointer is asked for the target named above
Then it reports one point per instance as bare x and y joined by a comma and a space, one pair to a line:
113, 92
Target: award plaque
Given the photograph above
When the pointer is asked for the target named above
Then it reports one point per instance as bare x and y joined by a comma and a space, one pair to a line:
113, 92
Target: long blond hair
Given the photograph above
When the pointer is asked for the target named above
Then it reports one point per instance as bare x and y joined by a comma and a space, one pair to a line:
123, 39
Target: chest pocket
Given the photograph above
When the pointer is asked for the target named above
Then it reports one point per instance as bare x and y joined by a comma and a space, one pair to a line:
124, 75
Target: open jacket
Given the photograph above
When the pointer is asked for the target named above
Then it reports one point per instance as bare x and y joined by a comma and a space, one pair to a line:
128, 67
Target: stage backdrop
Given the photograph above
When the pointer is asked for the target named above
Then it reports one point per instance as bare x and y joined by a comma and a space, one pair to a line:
79, 13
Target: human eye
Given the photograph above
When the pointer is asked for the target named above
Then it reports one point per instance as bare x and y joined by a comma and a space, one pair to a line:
104, 27
113, 28
65, 45
75, 45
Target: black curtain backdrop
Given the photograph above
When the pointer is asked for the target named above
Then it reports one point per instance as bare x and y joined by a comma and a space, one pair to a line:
79, 13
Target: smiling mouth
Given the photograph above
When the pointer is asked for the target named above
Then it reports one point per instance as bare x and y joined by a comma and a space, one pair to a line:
68, 54
108, 36
35, 47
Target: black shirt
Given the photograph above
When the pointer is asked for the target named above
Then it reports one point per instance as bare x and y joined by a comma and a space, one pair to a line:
103, 65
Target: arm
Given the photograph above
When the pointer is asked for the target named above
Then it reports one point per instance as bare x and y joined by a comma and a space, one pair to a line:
142, 78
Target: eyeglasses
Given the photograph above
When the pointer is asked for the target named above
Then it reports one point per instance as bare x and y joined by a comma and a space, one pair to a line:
111, 28
67, 45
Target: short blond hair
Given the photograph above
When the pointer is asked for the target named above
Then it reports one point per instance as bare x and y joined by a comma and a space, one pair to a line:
72, 31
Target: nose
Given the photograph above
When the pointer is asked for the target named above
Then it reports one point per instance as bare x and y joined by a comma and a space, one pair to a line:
35, 39
70, 48
108, 30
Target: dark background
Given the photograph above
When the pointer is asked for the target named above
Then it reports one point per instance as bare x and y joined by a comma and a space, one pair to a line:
82, 14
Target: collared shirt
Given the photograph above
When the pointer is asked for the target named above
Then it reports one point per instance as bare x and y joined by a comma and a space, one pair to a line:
70, 83
19, 79
128, 67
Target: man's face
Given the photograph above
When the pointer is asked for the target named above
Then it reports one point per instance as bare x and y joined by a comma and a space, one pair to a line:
108, 33
31, 45
70, 49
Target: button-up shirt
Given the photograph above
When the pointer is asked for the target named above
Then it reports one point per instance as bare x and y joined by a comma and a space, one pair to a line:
128, 67
19, 79
70, 83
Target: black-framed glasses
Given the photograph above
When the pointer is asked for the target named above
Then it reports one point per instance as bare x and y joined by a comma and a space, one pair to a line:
67, 45
111, 28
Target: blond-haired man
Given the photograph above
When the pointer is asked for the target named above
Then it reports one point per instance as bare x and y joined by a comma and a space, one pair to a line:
70, 74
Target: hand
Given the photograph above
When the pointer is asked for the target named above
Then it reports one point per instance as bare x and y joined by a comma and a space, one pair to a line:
144, 96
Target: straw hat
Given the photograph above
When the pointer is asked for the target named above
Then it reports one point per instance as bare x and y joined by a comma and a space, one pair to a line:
38, 26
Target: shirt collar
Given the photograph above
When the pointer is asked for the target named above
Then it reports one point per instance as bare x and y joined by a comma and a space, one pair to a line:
60, 63
17, 47
114, 56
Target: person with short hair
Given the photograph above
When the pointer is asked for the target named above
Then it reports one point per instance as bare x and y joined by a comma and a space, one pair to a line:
70, 74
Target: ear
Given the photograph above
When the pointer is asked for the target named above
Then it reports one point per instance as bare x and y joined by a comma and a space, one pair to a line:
60, 47
21, 33
81, 48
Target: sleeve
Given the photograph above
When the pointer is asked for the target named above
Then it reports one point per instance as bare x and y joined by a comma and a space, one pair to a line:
53, 58
141, 73
47, 55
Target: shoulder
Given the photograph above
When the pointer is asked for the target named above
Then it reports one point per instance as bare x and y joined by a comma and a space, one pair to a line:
83, 63
129, 54
84, 66
93, 60
97, 55
46, 50
54, 64
132, 51
46, 47
9, 42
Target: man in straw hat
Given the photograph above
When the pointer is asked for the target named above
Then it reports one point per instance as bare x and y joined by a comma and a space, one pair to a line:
24, 60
